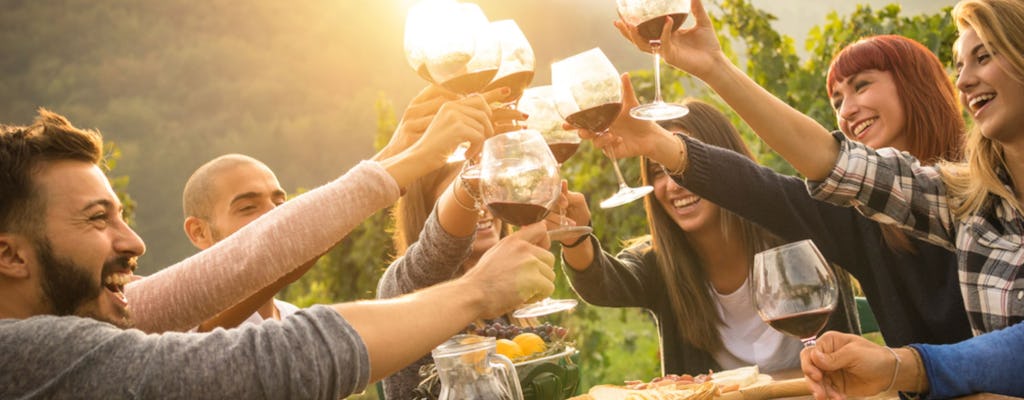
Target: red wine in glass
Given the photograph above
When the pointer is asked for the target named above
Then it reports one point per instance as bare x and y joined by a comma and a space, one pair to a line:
651, 29
516, 81
563, 151
518, 214
470, 83
804, 325
595, 119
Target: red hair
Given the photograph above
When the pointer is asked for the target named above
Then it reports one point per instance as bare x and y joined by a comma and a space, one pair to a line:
934, 126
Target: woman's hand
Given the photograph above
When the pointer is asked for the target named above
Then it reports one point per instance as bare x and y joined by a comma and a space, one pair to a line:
576, 211
695, 50
416, 119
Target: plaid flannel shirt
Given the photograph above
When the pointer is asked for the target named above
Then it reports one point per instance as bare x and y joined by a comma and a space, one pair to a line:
893, 187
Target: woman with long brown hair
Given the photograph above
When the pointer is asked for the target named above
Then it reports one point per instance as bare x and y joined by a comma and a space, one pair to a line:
693, 271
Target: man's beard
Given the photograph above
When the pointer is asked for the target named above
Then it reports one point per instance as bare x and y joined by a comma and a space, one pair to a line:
68, 288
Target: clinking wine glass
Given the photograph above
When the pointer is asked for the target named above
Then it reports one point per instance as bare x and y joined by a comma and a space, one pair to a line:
543, 116
519, 183
588, 94
649, 18
795, 290
517, 59
451, 44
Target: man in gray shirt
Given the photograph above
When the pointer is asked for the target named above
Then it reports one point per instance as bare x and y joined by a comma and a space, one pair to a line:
66, 255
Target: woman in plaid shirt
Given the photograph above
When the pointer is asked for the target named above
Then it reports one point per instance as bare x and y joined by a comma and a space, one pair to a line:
970, 207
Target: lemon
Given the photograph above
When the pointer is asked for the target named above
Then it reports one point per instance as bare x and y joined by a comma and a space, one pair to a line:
508, 349
530, 343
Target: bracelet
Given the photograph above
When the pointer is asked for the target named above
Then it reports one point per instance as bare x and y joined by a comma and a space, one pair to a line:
474, 208
920, 369
683, 161
578, 241
895, 370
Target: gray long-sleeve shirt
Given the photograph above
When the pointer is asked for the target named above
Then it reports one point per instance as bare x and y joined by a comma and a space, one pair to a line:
436, 257
313, 354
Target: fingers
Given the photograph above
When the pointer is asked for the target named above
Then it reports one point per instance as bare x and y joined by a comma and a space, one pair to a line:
630, 32
496, 95
535, 234
698, 12
629, 99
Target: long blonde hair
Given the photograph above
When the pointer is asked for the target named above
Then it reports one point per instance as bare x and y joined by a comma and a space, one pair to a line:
686, 280
1000, 26
414, 207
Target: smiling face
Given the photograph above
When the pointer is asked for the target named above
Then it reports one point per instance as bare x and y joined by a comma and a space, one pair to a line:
87, 252
868, 109
690, 212
989, 92
241, 193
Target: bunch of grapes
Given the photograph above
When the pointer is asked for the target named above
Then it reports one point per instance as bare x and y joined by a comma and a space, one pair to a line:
500, 330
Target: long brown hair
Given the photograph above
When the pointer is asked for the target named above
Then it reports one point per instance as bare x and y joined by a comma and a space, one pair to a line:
414, 207
1000, 26
686, 280
935, 127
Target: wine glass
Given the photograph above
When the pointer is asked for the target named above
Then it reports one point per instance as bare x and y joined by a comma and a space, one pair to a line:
588, 94
795, 290
649, 18
517, 60
451, 44
519, 183
543, 116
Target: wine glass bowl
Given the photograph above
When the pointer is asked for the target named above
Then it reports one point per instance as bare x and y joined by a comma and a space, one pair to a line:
517, 59
649, 16
519, 179
449, 43
794, 289
588, 95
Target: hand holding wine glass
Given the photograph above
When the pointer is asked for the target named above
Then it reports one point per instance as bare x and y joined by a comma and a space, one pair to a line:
519, 184
695, 50
652, 18
588, 94
631, 137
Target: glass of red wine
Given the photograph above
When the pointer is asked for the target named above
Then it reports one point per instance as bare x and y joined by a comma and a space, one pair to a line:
588, 94
451, 44
543, 116
517, 59
649, 18
794, 289
519, 183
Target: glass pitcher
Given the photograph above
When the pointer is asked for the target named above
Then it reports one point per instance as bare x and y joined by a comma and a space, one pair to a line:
469, 369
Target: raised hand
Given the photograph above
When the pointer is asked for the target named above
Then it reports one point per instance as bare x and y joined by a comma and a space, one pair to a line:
695, 50
576, 210
416, 119
517, 270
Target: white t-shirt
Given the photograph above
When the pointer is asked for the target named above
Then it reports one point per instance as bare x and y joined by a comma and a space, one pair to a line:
284, 308
749, 340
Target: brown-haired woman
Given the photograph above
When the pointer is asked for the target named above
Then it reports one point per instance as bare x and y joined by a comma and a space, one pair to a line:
692, 272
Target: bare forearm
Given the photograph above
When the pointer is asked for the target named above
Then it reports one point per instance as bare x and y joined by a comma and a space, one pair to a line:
455, 212
431, 316
580, 257
801, 140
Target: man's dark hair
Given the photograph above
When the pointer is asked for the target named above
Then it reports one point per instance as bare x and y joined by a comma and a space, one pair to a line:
24, 150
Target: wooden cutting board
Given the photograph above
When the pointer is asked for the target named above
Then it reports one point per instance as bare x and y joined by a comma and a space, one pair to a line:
776, 389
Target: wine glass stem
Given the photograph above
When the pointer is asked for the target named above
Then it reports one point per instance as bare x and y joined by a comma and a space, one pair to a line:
656, 52
615, 166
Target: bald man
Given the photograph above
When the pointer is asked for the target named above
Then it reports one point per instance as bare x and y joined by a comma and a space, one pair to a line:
220, 198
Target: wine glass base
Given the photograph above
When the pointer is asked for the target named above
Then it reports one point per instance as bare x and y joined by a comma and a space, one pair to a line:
569, 232
626, 195
545, 307
658, 111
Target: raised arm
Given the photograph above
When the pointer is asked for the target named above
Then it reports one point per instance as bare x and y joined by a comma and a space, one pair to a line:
183, 295
798, 138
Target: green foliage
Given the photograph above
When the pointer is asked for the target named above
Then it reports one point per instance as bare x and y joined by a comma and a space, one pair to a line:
112, 153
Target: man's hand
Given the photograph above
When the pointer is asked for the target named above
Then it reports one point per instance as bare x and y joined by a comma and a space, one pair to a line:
517, 270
